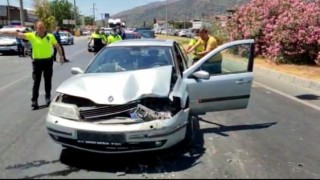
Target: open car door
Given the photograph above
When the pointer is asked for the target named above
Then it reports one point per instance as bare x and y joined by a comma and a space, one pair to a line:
222, 79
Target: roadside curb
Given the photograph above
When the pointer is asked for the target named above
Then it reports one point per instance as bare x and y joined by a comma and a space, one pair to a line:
302, 82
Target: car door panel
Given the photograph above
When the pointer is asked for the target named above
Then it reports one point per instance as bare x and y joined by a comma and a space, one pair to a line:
227, 91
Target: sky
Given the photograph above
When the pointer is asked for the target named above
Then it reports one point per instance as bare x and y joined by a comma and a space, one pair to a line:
86, 6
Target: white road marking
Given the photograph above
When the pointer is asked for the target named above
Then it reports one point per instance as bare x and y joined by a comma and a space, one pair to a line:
26, 77
288, 96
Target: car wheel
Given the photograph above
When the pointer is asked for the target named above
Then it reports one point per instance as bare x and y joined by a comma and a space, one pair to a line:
193, 128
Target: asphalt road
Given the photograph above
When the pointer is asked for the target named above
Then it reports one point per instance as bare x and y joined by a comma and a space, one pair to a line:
275, 137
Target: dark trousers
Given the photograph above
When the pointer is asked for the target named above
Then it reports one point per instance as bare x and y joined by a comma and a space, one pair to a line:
96, 49
20, 49
46, 67
55, 53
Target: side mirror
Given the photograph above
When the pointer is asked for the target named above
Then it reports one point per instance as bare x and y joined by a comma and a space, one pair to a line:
76, 70
201, 75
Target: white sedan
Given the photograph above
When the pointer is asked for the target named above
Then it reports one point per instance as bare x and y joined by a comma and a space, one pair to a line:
140, 95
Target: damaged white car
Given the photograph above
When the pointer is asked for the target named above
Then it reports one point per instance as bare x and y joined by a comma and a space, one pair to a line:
140, 95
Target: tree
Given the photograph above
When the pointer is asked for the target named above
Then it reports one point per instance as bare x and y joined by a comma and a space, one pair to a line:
286, 31
88, 20
62, 9
42, 8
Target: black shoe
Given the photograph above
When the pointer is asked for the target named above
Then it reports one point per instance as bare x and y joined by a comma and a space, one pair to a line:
66, 60
48, 101
35, 105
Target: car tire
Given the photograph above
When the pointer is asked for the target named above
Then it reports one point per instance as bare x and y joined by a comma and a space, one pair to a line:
192, 130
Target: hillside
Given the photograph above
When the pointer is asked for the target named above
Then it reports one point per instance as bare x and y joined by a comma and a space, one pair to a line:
177, 10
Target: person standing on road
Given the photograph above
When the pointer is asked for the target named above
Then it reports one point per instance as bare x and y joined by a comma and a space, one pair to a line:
114, 37
20, 46
99, 41
213, 66
58, 38
42, 44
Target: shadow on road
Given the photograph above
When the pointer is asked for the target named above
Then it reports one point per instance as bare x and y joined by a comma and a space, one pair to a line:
308, 97
9, 54
222, 129
175, 159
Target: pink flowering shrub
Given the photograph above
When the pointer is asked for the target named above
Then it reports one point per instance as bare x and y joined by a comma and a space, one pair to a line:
286, 31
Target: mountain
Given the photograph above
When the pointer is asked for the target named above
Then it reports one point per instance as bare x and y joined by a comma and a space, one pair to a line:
178, 10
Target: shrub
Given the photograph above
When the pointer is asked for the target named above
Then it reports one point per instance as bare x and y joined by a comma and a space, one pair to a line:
218, 32
286, 31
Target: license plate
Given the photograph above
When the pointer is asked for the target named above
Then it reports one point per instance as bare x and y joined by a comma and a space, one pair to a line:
100, 138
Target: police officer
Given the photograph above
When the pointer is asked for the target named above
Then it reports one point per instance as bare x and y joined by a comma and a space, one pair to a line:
42, 44
200, 48
99, 41
114, 37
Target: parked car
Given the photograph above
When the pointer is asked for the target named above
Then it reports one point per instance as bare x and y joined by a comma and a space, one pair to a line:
86, 33
176, 32
140, 95
164, 32
66, 37
132, 35
183, 33
8, 44
147, 34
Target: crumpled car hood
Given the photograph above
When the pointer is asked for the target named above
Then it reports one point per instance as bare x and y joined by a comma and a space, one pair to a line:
120, 87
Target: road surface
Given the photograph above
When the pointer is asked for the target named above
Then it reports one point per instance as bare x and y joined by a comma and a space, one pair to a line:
275, 137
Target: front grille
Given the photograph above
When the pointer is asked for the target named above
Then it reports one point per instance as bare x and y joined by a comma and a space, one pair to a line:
105, 111
110, 148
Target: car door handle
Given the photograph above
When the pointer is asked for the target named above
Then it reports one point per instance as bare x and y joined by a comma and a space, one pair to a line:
243, 82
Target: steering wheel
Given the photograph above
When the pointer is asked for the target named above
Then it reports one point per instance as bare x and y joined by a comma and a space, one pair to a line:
158, 64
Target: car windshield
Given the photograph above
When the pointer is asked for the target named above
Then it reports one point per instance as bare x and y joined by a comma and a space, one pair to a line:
63, 34
119, 59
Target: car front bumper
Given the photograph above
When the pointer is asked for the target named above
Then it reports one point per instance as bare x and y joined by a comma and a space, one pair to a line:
118, 138
65, 41
8, 48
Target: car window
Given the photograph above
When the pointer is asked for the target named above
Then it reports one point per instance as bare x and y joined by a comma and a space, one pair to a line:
179, 58
185, 56
116, 59
229, 61
63, 34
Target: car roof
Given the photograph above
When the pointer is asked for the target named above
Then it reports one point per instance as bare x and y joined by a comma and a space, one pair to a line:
143, 42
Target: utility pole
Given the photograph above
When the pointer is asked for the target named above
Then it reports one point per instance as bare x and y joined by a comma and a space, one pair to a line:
166, 17
103, 20
8, 13
75, 14
94, 13
22, 13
